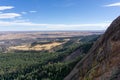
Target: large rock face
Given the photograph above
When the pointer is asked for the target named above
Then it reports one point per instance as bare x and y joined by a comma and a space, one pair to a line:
103, 60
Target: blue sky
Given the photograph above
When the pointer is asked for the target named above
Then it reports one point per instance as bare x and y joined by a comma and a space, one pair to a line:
41, 15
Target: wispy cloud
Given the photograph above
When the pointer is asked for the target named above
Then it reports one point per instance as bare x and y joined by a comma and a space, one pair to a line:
9, 15
5, 7
96, 26
32, 11
24, 12
93, 26
117, 4
19, 23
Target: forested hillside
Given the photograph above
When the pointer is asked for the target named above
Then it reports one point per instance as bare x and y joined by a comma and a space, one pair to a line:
44, 65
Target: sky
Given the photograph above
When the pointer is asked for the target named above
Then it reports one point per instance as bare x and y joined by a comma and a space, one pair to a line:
52, 15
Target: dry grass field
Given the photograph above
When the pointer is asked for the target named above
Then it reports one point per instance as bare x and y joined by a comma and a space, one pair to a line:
34, 35
38, 47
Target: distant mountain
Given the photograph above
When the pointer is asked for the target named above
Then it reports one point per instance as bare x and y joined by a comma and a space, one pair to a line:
103, 60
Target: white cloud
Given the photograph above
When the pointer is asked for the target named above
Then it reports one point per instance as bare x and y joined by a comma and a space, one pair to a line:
9, 15
19, 23
28, 12
36, 26
5, 7
99, 26
113, 5
24, 12
32, 11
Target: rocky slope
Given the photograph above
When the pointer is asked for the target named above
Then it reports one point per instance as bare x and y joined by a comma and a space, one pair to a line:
103, 60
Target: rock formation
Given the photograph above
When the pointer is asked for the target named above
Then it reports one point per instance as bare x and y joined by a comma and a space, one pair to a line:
103, 60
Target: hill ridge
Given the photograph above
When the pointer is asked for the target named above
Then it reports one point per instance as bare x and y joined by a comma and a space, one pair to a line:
103, 60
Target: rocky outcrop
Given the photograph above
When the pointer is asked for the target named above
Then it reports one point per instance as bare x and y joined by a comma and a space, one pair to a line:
103, 60
73, 55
